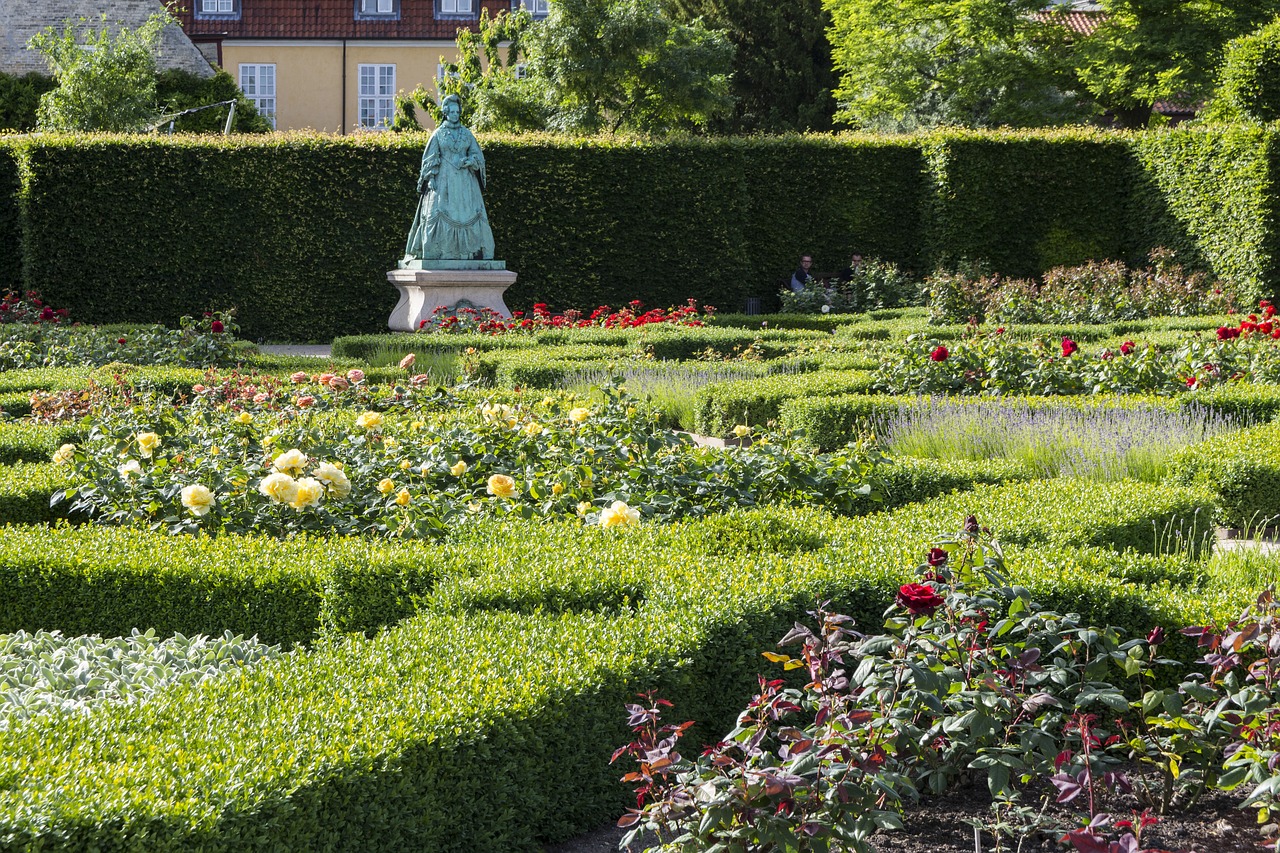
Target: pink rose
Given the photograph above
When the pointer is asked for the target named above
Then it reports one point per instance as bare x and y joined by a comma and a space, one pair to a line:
198, 389
339, 383
407, 361
261, 397
325, 378
298, 378
305, 400
420, 380
355, 376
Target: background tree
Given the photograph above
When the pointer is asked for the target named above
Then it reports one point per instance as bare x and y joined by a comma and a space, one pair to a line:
783, 79
105, 81
178, 90
907, 64
1145, 51
20, 98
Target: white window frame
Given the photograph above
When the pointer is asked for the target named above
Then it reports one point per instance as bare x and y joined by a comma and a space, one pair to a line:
521, 70
217, 8
454, 8
443, 73
376, 85
537, 8
377, 8
255, 88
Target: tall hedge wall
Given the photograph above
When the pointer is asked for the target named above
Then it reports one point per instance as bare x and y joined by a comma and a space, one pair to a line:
1211, 194
1027, 201
298, 230
10, 231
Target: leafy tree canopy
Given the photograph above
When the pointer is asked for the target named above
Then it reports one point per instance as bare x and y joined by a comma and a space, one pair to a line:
106, 80
1249, 85
908, 64
592, 66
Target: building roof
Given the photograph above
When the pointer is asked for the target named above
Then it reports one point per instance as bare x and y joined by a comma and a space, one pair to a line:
326, 19
1081, 21
20, 20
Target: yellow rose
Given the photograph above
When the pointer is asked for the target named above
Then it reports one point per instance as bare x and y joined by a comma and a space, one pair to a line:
402, 498
215, 450
405, 464
386, 486
290, 462
584, 508
502, 486
417, 425
147, 442
579, 416
281, 488
64, 454
309, 493
334, 478
618, 514
425, 468
244, 418
474, 507
197, 498
369, 420
532, 430
742, 431
557, 489
459, 469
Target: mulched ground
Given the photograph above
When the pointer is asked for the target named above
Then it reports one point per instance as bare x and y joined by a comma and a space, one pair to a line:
1215, 824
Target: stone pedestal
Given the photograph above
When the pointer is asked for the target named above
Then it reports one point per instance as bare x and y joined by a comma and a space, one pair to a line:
424, 290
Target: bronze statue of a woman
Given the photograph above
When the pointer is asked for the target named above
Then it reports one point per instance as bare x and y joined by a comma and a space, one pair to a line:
451, 222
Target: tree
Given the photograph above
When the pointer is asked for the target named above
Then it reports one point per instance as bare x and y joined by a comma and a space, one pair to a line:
105, 81
20, 98
180, 90
908, 64
783, 78
592, 66
1150, 50
610, 65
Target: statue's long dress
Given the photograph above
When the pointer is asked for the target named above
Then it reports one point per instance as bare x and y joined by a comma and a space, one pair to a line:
451, 222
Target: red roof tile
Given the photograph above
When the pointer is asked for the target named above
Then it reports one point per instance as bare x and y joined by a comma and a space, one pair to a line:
1080, 23
322, 19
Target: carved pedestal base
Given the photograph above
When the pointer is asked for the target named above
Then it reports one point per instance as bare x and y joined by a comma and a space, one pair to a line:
422, 291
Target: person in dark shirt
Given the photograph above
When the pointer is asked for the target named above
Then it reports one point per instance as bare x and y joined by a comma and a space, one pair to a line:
801, 276
855, 263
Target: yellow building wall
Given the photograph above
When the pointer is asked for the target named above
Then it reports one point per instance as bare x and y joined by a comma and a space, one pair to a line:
309, 76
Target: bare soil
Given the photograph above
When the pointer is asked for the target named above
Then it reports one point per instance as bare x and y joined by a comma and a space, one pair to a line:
1214, 824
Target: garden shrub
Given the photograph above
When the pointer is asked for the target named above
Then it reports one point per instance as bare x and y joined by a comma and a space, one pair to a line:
681, 344
25, 442
754, 402
10, 224
95, 580
16, 404
27, 487
1241, 469
909, 480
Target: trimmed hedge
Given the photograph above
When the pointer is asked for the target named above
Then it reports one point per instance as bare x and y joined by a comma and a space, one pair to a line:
25, 442
10, 222
1242, 469
1211, 195
1026, 201
435, 734
25, 490
108, 581
721, 406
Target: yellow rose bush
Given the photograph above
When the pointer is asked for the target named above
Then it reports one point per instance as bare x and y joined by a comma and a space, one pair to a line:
421, 466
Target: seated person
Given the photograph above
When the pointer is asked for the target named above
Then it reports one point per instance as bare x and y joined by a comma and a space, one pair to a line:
855, 263
801, 276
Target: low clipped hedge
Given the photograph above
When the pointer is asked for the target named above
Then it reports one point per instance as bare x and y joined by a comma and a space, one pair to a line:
108, 581
434, 735
1242, 469
721, 406
25, 490
27, 442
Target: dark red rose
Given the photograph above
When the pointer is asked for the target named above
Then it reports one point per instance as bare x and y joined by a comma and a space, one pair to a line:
1156, 637
216, 327
940, 353
971, 524
919, 598
1126, 347
1068, 347
937, 557
122, 340
46, 314
1227, 333
1000, 331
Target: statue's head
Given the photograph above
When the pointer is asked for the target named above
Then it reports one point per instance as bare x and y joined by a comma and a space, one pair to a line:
451, 106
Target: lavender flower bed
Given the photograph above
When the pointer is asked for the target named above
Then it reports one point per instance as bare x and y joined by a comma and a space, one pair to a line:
1102, 443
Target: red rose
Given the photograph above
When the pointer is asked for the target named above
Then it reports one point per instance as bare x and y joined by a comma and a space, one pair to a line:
1156, 637
1126, 347
937, 557
919, 598
1227, 333
971, 524
122, 340
1068, 347
1000, 331
940, 353
46, 314
216, 327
